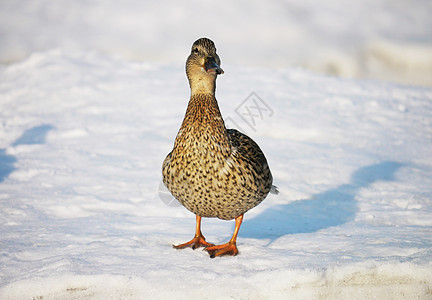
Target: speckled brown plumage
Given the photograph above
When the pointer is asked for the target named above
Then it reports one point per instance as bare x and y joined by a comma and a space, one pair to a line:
213, 171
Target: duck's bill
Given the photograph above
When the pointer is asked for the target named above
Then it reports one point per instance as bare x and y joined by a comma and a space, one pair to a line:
213, 68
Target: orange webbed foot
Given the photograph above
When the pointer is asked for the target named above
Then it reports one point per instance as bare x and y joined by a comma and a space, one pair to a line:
196, 242
221, 250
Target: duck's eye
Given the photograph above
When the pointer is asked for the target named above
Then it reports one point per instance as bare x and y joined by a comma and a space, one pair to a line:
195, 50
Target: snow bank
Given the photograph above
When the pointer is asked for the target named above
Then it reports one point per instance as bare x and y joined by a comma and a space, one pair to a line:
373, 39
82, 139
384, 282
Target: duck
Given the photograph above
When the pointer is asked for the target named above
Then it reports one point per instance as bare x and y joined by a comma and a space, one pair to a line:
214, 172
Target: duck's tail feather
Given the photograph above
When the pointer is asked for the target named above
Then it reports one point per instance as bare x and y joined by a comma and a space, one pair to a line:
274, 190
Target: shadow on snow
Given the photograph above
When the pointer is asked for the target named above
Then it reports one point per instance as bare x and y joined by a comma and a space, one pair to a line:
32, 136
330, 208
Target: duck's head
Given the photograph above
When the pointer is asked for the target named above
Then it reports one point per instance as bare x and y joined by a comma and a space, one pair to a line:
203, 66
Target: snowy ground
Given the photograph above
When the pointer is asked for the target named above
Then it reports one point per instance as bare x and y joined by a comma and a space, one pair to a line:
82, 139
381, 39
84, 130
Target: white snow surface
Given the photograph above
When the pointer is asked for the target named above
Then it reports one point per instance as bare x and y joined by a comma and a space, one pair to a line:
82, 139
380, 39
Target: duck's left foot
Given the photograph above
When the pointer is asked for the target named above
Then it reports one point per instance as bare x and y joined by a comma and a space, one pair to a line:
221, 250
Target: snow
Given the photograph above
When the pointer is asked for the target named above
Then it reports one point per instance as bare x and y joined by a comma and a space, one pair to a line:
82, 139
93, 93
380, 39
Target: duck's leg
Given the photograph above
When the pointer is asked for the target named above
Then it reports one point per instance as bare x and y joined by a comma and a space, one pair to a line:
229, 248
198, 240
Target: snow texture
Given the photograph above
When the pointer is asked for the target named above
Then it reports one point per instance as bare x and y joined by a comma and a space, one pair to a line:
92, 94
82, 139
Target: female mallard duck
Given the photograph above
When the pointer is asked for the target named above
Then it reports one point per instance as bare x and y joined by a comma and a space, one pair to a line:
213, 171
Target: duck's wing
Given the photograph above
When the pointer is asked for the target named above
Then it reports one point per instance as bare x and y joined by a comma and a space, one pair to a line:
248, 155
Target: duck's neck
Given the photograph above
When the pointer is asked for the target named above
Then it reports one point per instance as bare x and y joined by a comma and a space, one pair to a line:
203, 124
203, 111
202, 86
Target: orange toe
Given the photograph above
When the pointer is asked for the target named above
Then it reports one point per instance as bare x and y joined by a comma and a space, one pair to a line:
196, 242
221, 250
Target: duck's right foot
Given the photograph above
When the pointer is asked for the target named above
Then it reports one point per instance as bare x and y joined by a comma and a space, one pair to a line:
196, 242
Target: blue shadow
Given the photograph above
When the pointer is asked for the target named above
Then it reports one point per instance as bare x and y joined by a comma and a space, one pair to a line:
330, 208
32, 136
6, 164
